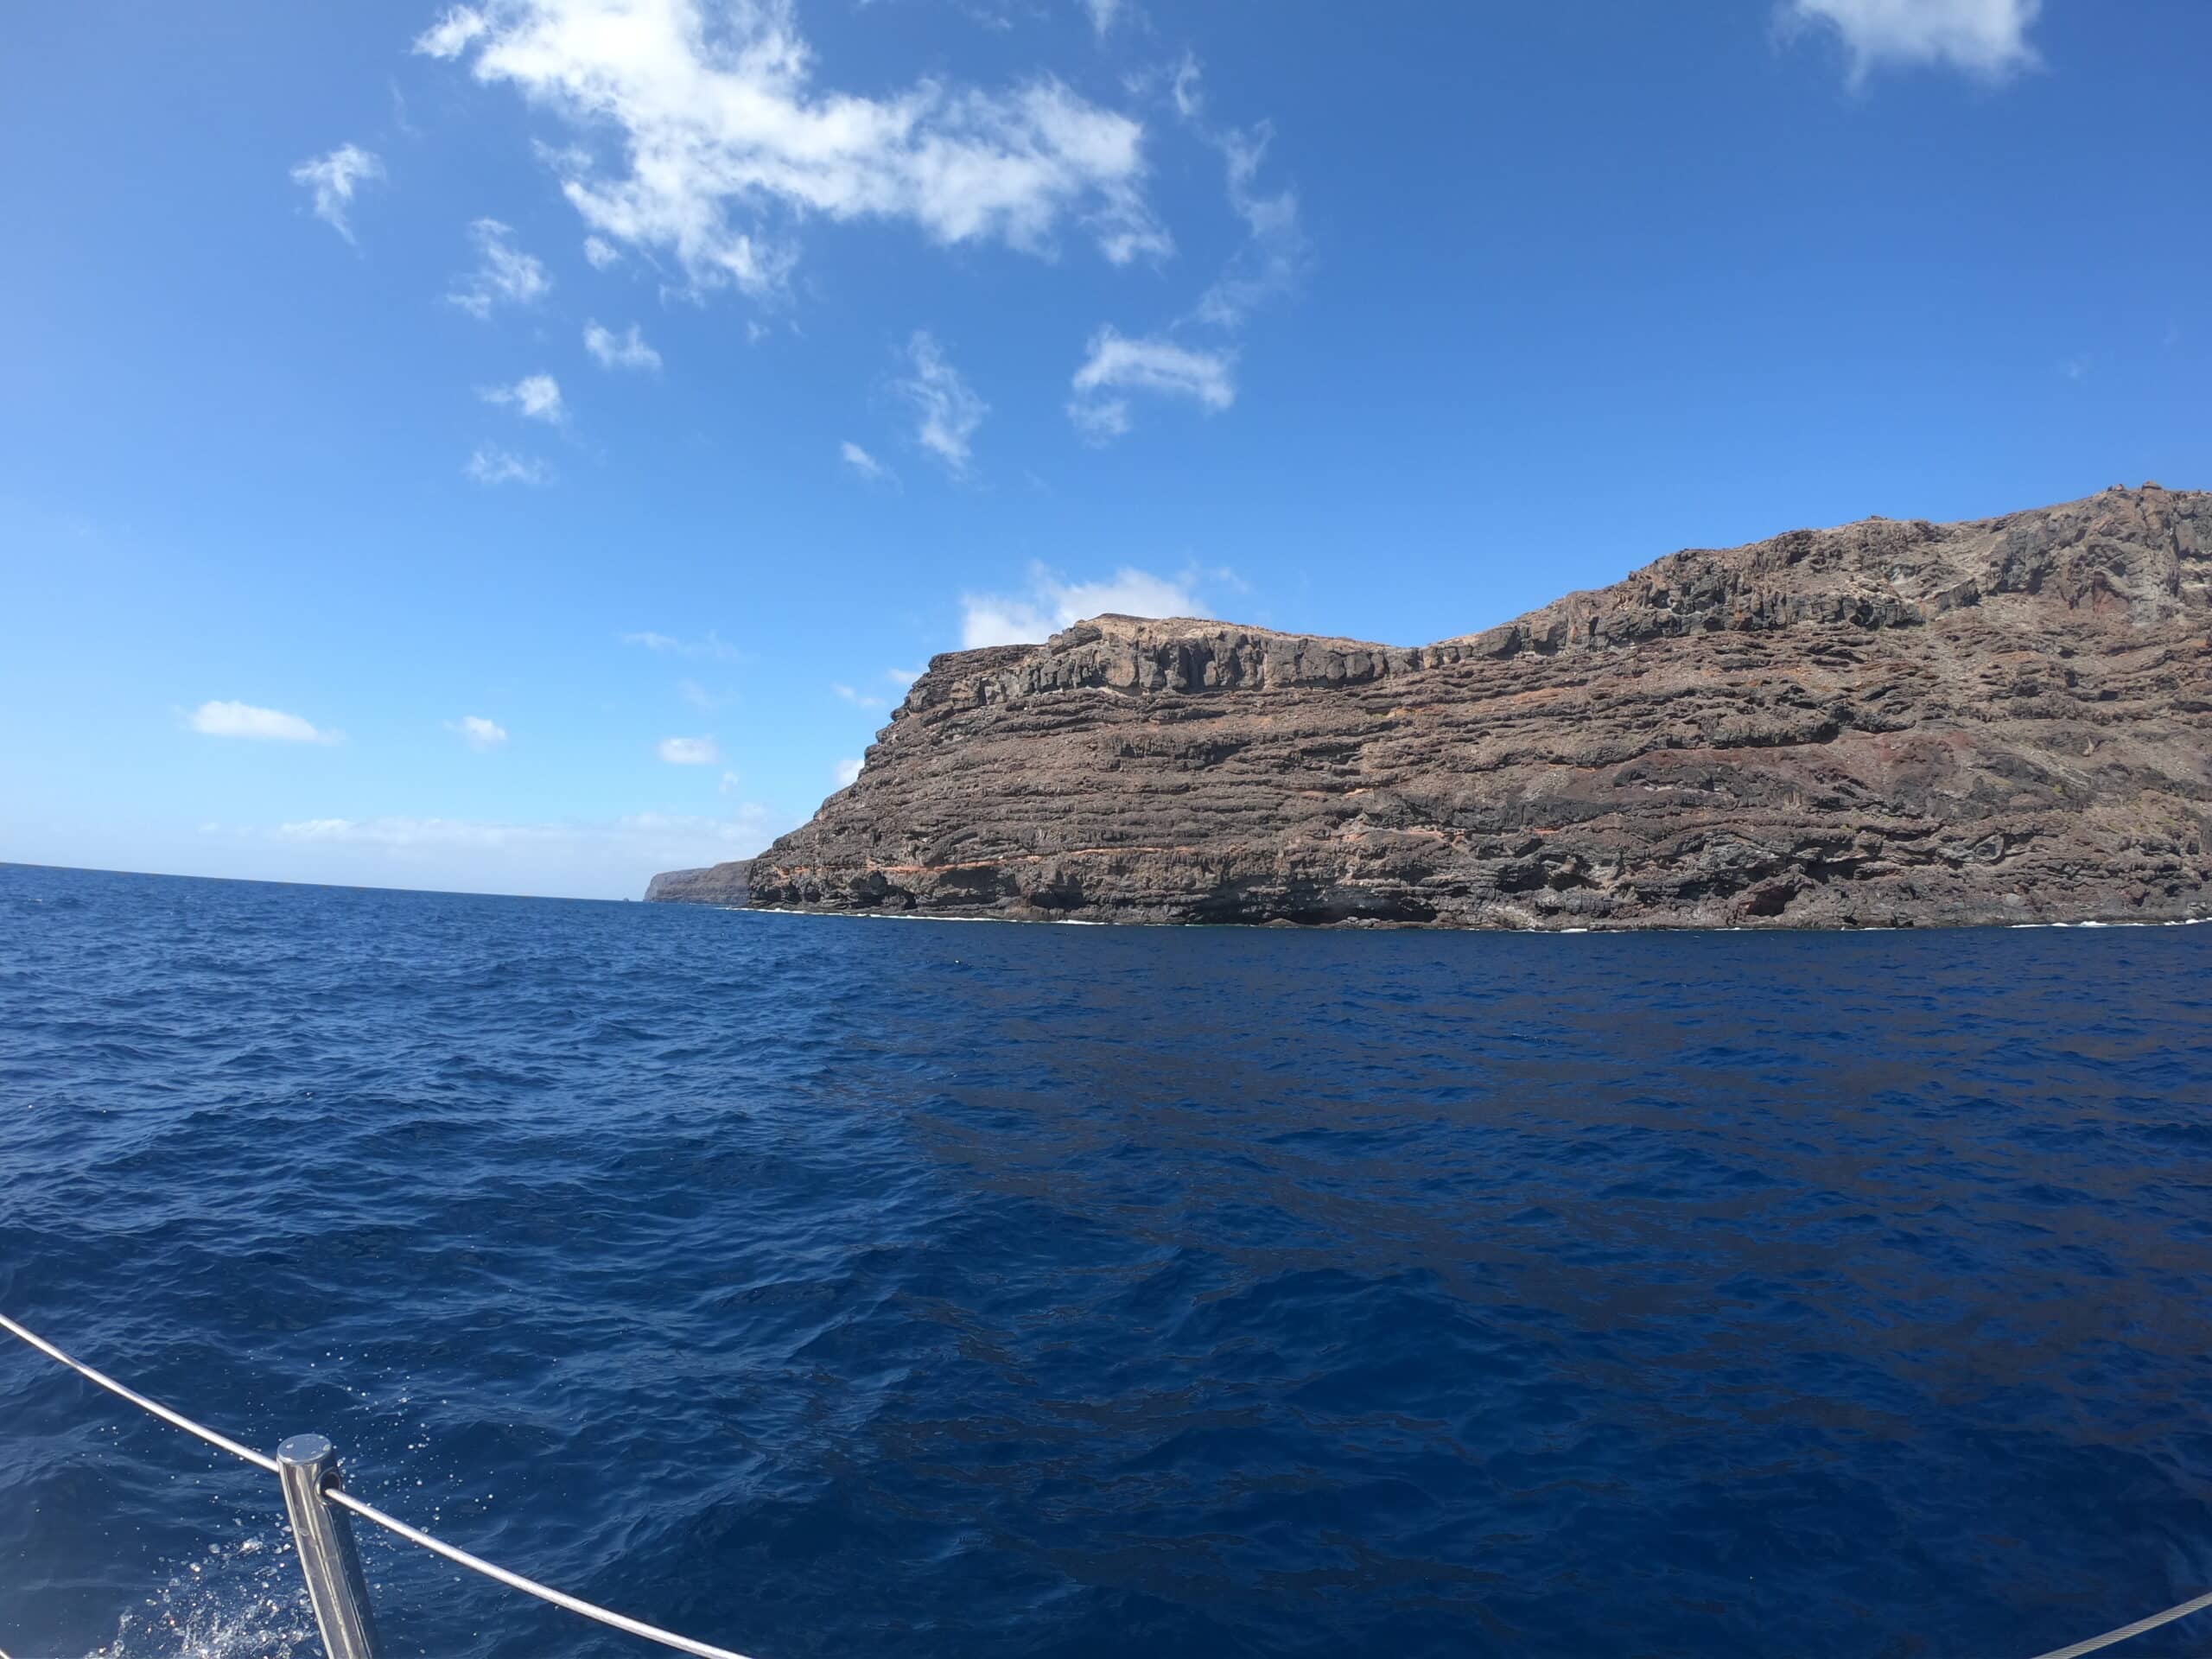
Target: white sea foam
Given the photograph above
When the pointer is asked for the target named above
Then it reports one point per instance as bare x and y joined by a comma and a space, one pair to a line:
243, 1599
2184, 921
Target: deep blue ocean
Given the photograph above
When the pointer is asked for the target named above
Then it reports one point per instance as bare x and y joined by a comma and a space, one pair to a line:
830, 1286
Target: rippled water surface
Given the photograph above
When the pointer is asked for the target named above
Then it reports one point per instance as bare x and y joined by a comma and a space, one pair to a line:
862, 1289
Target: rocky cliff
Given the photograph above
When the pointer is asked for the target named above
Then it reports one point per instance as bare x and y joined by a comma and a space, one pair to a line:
717, 884
1891, 723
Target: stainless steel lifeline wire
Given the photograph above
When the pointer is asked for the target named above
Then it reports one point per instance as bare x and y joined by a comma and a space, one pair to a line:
175, 1420
460, 1557
529, 1586
2181, 1610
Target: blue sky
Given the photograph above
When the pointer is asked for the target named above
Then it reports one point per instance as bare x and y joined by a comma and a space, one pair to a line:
519, 448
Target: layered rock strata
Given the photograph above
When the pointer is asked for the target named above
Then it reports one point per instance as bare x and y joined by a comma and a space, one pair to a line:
1886, 724
717, 884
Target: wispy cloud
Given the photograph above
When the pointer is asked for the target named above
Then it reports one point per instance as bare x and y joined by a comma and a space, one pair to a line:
713, 645
1104, 14
902, 676
858, 698
1099, 420
477, 732
623, 351
491, 465
330, 181
1275, 251
847, 772
1274, 257
1184, 88
263, 724
607, 857
600, 253
728, 142
946, 408
535, 396
1986, 38
689, 751
1117, 362
1051, 603
504, 275
447, 37
1269, 264
408, 832
865, 464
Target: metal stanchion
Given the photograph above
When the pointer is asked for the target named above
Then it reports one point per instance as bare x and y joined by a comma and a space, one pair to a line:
308, 1466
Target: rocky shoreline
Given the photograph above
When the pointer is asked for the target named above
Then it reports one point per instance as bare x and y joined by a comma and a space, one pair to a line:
1887, 724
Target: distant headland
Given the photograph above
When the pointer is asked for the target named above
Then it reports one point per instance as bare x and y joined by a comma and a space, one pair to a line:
2003, 720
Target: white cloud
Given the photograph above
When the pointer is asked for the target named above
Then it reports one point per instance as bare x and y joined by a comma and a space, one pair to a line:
265, 725
478, 732
1103, 15
1275, 253
1099, 420
1244, 151
729, 785
410, 832
535, 396
1052, 603
947, 408
624, 350
1190, 102
1154, 364
995, 620
1982, 37
726, 141
902, 676
712, 645
491, 464
332, 179
447, 37
865, 464
689, 751
604, 858
504, 275
1118, 362
846, 773
600, 253
1273, 256
857, 698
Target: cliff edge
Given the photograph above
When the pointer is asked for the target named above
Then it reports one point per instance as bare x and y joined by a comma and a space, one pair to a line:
1890, 723
717, 884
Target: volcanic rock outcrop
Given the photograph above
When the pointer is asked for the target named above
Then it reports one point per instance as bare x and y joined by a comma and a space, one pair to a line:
717, 884
1890, 723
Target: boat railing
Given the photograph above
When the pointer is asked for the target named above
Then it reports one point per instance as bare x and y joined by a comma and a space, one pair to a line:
316, 1504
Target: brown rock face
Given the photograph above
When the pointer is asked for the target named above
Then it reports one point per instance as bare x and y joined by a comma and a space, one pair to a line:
2004, 720
717, 884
